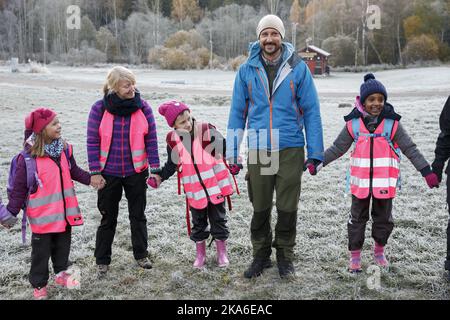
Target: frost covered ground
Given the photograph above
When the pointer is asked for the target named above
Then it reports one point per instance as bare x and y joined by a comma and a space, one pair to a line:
416, 249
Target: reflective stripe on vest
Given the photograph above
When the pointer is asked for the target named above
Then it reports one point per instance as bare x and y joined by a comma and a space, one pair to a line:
213, 174
71, 212
384, 163
381, 162
53, 205
38, 202
376, 183
204, 175
138, 130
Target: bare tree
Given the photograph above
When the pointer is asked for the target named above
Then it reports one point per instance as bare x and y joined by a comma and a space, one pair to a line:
232, 28
140, 32
272, 6
156, 9
8, 32
397, 11
107, 43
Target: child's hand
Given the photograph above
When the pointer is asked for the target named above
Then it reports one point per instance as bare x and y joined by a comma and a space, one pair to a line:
98, 182
313, 166
235, 168
432, 180
9, 220
154, 181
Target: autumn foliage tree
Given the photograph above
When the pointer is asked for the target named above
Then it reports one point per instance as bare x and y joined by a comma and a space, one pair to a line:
182, 50
183, 9
295, 12
421, 48
126, 30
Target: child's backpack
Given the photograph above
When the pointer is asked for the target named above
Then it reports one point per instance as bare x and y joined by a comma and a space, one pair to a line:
387, 134
32, 180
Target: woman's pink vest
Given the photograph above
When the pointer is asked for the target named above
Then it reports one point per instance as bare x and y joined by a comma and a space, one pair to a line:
138, 131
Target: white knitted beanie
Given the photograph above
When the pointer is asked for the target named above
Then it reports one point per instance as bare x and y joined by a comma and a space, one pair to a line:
270, 21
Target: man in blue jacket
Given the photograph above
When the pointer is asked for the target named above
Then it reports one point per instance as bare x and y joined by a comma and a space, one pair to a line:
275, 98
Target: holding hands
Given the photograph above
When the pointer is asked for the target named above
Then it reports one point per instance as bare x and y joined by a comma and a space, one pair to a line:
431, 176
235, 168
98, 182
432, 180
313, 166
235, 165
8, 220
154, 181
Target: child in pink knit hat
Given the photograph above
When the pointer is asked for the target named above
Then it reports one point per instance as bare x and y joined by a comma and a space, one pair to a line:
50, 201
198, 148
35, 122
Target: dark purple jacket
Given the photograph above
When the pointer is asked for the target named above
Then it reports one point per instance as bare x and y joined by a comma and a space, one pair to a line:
19, 191
119, 163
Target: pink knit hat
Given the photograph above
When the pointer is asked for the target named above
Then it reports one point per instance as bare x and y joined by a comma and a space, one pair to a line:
38, 119
171, 110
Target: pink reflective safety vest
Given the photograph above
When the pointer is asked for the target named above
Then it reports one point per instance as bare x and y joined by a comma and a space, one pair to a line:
54, 204
138, 131
204, 177
374, 162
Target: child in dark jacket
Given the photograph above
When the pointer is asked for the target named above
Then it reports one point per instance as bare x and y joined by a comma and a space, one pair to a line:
198, 149
374, 167
442, 154
52, 206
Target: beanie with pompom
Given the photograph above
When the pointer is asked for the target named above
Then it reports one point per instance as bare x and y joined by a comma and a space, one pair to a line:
371, 86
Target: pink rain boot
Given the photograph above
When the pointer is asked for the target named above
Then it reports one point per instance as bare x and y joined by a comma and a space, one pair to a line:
380, 258
222, 258
200, 259
40, 294
66, 280
355, 261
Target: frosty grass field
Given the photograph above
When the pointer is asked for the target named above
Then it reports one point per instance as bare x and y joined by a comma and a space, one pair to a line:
416, 249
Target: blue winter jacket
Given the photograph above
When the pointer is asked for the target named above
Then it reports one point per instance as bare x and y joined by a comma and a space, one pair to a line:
275, 122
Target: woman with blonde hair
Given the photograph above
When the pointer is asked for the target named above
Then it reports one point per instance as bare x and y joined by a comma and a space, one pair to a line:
122, 145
